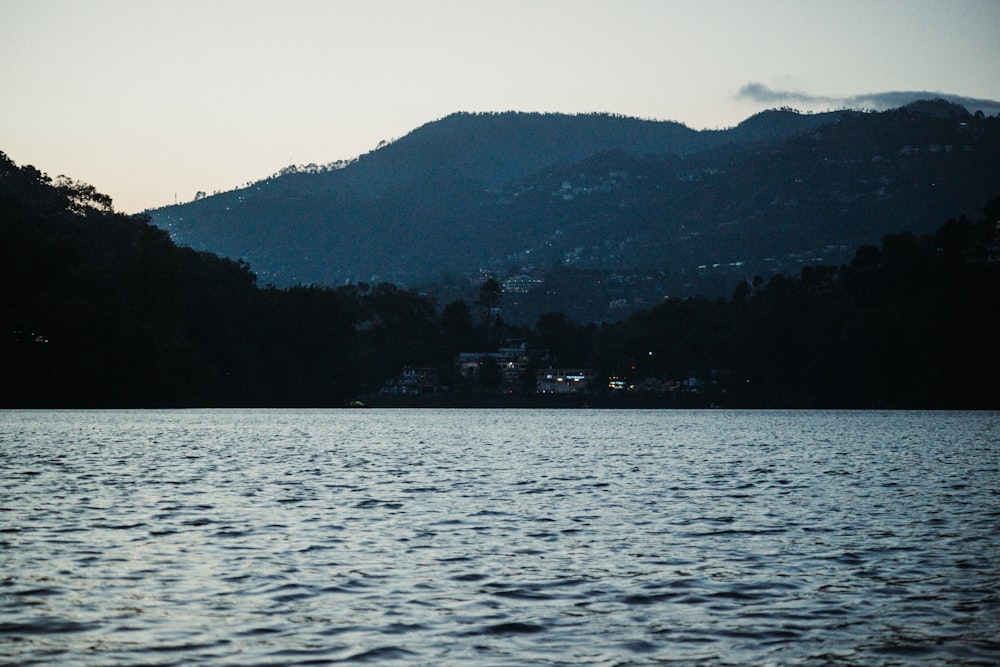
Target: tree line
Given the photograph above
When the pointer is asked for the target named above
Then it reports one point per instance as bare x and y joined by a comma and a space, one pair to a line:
101, 309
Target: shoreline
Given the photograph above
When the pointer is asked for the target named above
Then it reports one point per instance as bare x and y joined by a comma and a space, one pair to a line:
529, 401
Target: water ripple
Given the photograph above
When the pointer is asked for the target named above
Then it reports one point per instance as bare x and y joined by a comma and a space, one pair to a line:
499, 537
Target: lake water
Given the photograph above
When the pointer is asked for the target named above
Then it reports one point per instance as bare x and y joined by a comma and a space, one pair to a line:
490, 537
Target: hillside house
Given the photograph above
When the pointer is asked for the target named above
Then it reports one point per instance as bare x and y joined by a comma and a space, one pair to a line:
412, 381
564, 380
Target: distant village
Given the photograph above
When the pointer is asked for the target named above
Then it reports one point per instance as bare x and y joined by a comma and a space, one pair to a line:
513, 370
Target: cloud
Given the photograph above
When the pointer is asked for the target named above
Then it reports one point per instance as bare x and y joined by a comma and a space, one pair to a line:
759, 92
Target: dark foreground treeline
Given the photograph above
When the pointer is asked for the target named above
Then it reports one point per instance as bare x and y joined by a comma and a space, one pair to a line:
100, 309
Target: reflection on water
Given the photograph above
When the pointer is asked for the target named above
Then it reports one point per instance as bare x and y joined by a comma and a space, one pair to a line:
499, 537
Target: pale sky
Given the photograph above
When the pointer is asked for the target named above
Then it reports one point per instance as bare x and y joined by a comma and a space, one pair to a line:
148, 100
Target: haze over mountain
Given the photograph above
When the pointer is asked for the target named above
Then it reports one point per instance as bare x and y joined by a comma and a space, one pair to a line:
641, 209
881, 101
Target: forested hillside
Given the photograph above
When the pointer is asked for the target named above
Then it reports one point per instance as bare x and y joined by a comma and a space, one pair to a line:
637, 210
104, 310
424, 205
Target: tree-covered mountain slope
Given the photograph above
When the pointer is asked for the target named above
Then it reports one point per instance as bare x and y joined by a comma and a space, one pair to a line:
104, 310
684, 211
327, 225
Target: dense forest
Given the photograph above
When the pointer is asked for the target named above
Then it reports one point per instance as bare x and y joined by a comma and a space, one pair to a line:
102, 309
622, 208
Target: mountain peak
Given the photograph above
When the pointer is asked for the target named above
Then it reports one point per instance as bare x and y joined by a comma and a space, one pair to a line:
499, 192
777, 123
939, 108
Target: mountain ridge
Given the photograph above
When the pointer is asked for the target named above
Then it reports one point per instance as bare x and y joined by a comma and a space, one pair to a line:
496, 147
506, 191
519, 143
